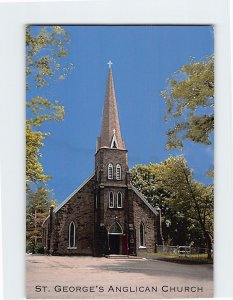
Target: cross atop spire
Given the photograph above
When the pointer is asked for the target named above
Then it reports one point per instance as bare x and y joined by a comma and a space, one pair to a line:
110, 63
110, 130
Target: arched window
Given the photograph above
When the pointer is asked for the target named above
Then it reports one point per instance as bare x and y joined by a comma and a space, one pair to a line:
111, 200
110, 171
115, 228
96, 201
114, 144
71, 235
118, 172
119, 200
142, 235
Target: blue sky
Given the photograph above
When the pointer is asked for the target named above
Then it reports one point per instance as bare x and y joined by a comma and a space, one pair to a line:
143, 57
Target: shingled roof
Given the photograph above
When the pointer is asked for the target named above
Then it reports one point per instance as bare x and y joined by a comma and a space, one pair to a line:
110, 119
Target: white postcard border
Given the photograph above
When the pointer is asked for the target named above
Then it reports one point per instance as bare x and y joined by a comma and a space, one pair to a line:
13, 17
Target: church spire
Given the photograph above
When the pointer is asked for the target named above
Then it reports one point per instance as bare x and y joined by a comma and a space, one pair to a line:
110, 136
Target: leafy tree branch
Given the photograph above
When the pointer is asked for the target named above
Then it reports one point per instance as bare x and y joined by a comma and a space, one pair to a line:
190, 101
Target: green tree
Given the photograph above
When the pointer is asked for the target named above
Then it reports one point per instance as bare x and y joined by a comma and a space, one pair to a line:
190, 100
45, 47
41, 110
45, 51
185, 203
191, 198
34, 169
175, 226
38, 204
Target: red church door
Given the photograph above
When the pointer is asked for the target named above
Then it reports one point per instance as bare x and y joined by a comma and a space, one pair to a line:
125, 244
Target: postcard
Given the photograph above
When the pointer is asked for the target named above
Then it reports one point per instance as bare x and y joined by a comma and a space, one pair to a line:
119, 161
116, 153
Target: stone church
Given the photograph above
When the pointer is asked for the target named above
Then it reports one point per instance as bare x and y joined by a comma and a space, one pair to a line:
106, 214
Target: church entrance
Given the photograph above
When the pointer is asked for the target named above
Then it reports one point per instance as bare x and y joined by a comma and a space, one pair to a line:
118, 244
116, 240
115, 244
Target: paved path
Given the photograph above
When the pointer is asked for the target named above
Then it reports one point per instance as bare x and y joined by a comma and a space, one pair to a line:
56, 277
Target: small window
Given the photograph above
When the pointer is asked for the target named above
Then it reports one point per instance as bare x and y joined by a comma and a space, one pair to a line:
71, 235
110, 171
96, 201
142, 235
111, 199
118, 172
119, 200
114, 145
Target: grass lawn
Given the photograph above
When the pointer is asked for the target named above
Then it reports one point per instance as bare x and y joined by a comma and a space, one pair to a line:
188, 259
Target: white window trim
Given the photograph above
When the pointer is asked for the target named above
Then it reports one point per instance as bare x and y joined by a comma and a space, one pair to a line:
121, 200
114, 140
112, 199
118, 166
110, 166
74, 247
144, 236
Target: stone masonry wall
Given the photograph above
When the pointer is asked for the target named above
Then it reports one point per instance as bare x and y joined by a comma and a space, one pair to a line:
143, 214
80, 210
114, 156
114, 214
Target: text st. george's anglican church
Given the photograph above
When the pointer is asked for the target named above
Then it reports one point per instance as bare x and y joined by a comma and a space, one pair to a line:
106, 214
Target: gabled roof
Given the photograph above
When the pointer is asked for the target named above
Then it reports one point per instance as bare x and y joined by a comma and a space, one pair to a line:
70, 196
143, 198
140, 195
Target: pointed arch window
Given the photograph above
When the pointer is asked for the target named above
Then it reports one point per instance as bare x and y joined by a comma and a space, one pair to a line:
72, 235
114, 144
118, 172
119, 200
96, 201
110, 171
142, 235
111, 200
115, 228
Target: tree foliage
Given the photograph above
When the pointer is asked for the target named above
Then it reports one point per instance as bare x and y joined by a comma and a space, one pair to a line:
186, 204
38, 204
34, 169
190, 101
45, 51
174, 225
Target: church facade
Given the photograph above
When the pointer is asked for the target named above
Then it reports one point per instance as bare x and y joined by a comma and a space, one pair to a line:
106, 214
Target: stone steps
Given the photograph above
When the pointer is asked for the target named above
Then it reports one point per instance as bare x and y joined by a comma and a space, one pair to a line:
120, 256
